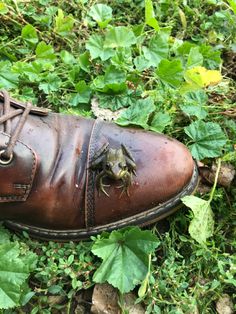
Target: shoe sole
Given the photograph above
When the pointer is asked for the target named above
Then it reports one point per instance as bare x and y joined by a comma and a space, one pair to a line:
142, 219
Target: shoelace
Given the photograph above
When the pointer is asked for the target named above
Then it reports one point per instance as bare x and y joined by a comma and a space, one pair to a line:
6, 154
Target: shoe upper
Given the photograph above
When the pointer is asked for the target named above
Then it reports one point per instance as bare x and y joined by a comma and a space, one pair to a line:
50, 182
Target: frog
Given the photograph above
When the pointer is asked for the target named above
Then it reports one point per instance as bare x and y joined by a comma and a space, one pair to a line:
117, 164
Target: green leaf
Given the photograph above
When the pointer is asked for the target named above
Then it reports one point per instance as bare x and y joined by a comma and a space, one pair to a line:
150, 15
141, 63
199, 96
194, 110
195, 58
170, 72
123, 59
114, 81
116, 102
8, 79
4, 235
185, 48
202, 224
232, 4
160, 121
119, 36
29, 34
15, 269
83, 94
208, 139
28, 71
67, 57
158, 48
84, 61
119, 251
45, 52
3, 8
51, 83
101, 13
63, 24
138, 113
95, 45
212, 59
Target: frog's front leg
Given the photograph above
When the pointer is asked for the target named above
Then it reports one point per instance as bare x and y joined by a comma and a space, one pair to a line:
98, 158
99, 183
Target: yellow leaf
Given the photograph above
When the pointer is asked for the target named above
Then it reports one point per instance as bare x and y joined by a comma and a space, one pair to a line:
202, 77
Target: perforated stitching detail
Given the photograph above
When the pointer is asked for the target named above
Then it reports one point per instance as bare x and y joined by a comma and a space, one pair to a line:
28, 186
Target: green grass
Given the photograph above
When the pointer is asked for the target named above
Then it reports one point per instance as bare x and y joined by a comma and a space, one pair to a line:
61, 55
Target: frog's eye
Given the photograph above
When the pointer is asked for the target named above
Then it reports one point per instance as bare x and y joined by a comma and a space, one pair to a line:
122, 165
107, 166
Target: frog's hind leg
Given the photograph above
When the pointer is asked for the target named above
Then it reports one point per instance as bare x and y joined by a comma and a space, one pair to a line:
100, 185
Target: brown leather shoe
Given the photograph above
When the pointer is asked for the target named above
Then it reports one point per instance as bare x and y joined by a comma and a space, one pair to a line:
66, 177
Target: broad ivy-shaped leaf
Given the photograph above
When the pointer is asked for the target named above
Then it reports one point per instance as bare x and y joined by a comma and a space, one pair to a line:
116, 102
141, 63
202, 77
3, 8
194, 110
28, 71
8, 79
138, 113
170, 72
207, 137
123, 59
232, 4
45, 52
125, 257
158, 48
4, 236
84, 61
95, 45
63, 24
212, 59
101, 13
160, 121
195, 58
15, 269
50, 83
119, 36
83, 94
29, 34
114, 81
202, 225
67, 57
199, 96
150, 15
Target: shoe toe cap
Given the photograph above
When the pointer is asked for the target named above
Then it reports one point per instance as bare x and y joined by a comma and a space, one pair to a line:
164, 167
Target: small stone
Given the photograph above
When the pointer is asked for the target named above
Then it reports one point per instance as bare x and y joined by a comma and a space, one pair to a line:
224, 305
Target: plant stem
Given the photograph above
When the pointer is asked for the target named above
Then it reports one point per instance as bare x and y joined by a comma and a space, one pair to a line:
215, 181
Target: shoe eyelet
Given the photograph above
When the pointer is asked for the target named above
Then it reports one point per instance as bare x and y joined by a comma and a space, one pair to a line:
4, 161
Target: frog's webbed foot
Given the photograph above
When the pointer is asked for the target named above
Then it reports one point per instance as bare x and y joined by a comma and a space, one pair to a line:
126, 182
100, 185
